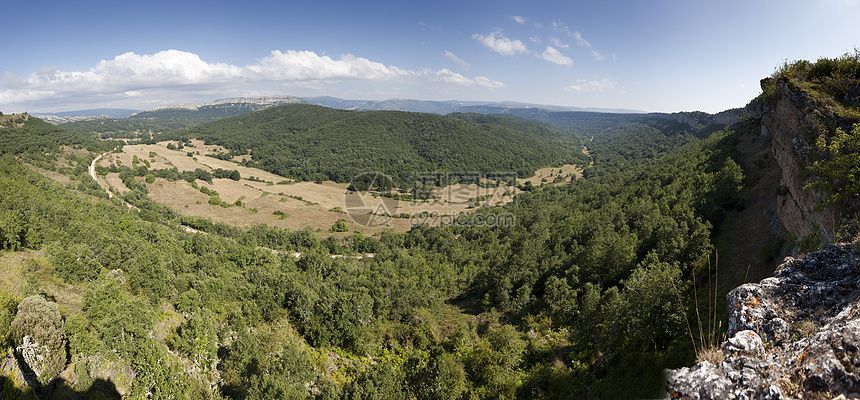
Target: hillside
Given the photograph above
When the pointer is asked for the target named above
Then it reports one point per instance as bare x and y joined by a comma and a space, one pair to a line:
616, 140
586, 288
316, 143
23, 134
143, 124
194, 113
84, 115
587, 268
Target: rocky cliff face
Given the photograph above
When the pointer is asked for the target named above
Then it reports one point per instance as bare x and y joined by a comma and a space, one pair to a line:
795, 335
789, 124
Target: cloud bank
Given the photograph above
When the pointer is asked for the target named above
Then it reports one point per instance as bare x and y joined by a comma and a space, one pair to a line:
134, 75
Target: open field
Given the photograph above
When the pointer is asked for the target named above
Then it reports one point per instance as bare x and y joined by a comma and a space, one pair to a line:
550, 174
276, 201
166, 158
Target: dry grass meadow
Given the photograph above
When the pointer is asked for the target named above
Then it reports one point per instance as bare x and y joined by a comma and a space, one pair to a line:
566, 172
302, 204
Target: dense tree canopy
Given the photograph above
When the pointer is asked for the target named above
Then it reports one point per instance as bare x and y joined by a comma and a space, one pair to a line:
316, 143
580, 297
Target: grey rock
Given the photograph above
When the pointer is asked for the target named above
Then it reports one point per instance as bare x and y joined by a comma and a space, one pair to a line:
809, 317
744, 343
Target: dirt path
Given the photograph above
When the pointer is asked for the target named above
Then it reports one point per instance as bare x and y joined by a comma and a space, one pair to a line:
93, 174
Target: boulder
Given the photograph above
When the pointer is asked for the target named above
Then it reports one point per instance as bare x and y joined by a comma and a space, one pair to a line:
790, 335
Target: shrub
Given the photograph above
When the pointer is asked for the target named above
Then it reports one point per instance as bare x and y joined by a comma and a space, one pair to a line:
340, 226
39, 326
7, 310
837, 166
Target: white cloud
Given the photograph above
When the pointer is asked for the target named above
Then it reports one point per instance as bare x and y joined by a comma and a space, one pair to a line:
453, 57
555, 41
427, 27
169, 72
580, 41
501, 44
520, 20
448, 76
307, 65
600, 85
551, 54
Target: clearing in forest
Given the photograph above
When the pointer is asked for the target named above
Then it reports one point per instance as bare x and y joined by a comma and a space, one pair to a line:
260, 197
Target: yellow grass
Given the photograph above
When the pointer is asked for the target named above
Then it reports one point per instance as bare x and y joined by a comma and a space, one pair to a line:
566, 171
16, 266
114, 181
306, 204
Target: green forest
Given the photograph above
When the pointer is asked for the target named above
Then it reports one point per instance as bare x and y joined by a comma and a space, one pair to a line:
591, 294
308, 143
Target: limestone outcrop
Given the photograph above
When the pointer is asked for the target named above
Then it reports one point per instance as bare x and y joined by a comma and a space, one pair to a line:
794, 335
795, 120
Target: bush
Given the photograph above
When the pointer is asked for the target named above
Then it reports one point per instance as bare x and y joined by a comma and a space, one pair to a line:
340, 226
7, 310
39, 326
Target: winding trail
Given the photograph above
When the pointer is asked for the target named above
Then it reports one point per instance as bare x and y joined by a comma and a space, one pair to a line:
192, 230
93, 174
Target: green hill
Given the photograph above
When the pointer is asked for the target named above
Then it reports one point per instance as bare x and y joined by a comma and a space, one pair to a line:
616, 139
171, 117
314, 143
25, 134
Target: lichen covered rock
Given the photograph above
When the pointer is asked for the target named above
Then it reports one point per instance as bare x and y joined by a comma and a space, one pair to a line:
792, 334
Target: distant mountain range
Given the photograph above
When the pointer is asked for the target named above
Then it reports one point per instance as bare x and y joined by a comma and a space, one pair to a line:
218, 109
215, 110
445, 107
84, 115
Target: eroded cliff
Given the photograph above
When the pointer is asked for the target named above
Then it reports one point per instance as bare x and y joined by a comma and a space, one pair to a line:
792, 124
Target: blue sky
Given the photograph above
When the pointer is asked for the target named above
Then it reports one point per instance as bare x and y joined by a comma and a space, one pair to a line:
643, 55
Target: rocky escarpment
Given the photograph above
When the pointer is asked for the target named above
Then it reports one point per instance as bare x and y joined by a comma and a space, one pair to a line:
794, 122
794, 335
254, 103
